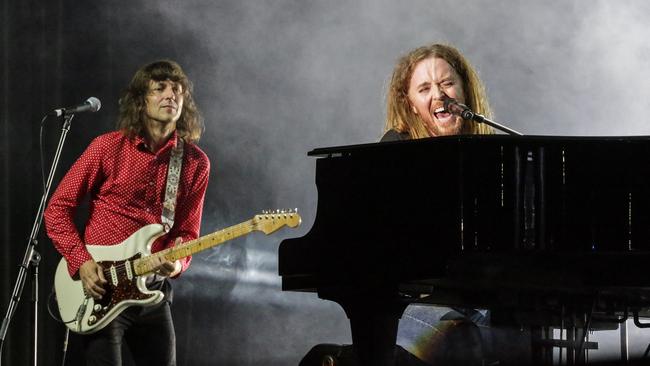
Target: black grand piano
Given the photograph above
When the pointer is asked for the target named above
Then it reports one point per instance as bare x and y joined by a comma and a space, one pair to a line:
532, 228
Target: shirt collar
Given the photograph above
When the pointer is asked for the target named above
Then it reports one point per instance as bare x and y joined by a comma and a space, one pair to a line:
141, 143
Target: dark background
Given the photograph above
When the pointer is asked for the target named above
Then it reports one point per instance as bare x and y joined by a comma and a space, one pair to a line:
275, 80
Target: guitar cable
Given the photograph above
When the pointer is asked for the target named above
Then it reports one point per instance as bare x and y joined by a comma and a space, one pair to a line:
65, 345
50, 300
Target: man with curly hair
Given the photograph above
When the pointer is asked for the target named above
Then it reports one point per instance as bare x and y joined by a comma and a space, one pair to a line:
124, 174
421, 81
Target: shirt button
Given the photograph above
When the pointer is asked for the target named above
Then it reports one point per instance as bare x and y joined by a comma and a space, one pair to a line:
147, 209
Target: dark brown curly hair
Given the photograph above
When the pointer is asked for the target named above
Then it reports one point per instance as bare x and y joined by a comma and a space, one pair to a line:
133, 105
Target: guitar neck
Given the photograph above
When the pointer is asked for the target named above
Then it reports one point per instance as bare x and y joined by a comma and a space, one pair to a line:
143, 265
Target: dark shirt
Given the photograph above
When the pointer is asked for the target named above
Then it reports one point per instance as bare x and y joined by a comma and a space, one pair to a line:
392, 135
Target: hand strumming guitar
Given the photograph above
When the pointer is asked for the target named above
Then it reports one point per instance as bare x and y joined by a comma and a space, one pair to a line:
92, 278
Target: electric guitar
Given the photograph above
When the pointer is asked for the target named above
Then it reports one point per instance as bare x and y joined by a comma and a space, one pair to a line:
127, 266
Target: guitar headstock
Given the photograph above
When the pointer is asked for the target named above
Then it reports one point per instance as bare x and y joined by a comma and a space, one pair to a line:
270, 221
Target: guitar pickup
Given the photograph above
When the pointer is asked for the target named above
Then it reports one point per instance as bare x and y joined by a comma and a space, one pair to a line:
114, 275
129, 270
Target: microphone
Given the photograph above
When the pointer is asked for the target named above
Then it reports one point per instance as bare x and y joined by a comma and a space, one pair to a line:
460, 109
91, 104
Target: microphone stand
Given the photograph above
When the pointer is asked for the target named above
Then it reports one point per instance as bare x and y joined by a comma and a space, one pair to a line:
478, 118
32, 257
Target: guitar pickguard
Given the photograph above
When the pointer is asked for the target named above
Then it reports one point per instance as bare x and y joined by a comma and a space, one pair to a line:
122, 286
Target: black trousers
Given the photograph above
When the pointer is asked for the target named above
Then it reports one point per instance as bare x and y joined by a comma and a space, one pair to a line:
147, 331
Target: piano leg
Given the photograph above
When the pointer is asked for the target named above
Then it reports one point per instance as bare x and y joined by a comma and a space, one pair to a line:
374, 317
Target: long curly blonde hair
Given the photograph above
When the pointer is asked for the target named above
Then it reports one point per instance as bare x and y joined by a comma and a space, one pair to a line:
401, 118
133, 105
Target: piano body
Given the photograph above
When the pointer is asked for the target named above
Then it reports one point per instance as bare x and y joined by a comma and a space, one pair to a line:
531, 228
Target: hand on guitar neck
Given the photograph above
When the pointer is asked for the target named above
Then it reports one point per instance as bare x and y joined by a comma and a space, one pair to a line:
164, 267
93, 279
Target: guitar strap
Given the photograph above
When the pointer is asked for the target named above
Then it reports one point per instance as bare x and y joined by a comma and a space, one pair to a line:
171, 190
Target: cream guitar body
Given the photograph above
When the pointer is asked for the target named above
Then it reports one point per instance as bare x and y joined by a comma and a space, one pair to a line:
84, 314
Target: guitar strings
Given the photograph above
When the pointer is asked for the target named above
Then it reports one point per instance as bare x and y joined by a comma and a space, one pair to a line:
121, 267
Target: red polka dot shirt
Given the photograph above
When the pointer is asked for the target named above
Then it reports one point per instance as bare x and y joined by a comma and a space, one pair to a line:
126, 185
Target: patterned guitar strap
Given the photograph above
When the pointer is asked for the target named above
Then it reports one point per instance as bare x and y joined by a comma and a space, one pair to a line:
171, 190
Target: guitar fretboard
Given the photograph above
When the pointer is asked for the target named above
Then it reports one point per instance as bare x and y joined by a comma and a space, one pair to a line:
144, 266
